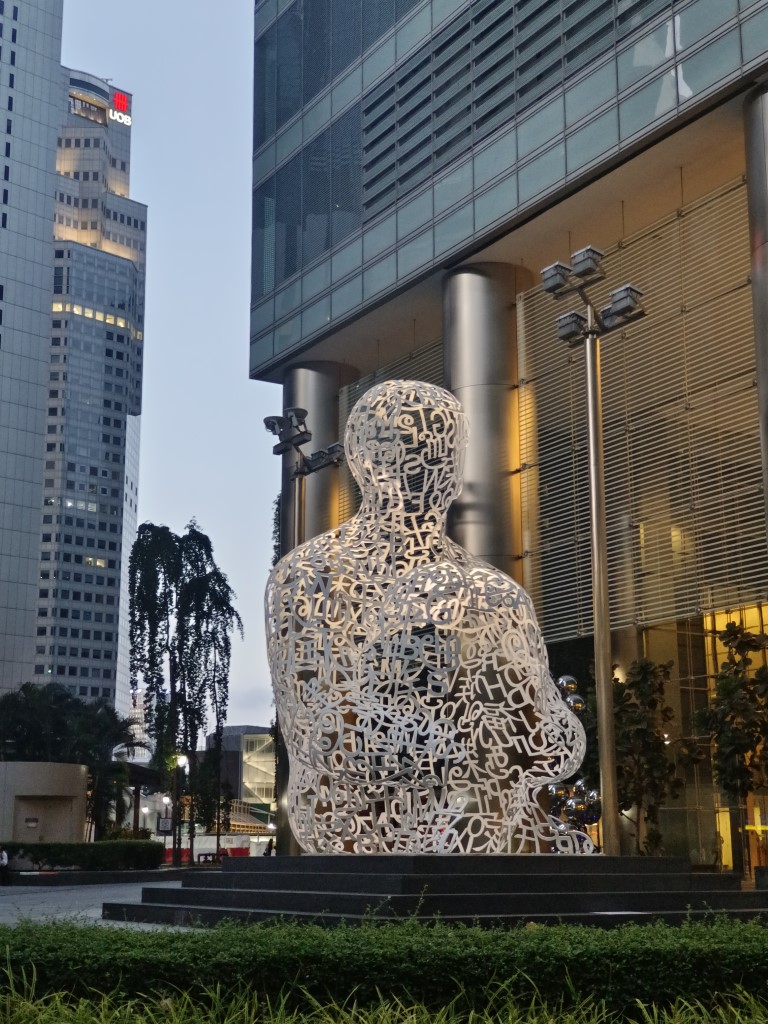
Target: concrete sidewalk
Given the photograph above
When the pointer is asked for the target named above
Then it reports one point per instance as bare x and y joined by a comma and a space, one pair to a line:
78, 903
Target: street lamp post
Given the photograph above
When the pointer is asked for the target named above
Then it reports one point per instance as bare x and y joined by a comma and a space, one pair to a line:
561, 280
291, 432
178, 777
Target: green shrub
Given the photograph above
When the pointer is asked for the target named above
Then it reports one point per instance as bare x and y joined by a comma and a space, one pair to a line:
112, 855
429, 964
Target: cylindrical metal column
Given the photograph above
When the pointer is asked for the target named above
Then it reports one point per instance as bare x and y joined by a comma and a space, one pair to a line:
756, 141
479, 332
606, 738
314, 387
308, 506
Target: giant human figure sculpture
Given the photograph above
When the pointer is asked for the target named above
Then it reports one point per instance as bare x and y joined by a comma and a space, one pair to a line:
411, 682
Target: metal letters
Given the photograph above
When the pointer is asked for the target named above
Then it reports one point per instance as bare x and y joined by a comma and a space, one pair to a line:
410, 678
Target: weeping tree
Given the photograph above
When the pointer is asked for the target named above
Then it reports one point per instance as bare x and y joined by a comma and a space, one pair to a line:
181, 623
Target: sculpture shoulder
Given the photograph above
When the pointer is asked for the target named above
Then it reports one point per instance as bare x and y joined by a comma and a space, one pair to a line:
456, 586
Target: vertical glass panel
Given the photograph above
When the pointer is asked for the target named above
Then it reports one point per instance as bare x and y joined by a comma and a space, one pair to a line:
753, 35
317, 116
262, 350
288, 334
640, 109
346, 172
594, 139
317, 46
403, 6
442, 9
500, 156
540, 128
348, 89
347, 260
649, 52
415, 255
455, 229
413, 214
379, 238
264, 163
496, 203
263, 240
288, 220
379, 61
379, 18
316, 187
288, 299
317, 316
264, 14
709, 65
414, 30
347, 297
288, 140
453, 187
289, 90
589, 94
262, 316
541, 173
699, 19
316, 280
346, 34
264, 86
379, 276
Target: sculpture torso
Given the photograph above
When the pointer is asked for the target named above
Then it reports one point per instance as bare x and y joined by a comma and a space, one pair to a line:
410, 678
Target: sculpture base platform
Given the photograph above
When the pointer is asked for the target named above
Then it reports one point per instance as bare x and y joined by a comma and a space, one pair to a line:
485, 890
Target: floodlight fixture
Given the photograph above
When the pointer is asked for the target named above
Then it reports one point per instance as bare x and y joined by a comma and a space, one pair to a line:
625, 302
571, 327
336, 452
555, 277
586, 262
303, 436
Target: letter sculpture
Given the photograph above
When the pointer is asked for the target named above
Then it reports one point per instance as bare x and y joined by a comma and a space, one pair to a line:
411, 681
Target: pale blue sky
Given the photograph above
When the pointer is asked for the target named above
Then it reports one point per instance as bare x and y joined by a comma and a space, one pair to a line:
204, 450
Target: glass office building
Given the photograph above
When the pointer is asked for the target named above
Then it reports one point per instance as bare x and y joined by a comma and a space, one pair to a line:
415, 164
93, 398
30, 100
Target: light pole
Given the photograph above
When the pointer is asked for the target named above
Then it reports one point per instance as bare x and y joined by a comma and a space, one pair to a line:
291, 432
561, 280
178, 776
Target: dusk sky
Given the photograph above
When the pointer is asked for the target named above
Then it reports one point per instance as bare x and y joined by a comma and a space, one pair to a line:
204, 450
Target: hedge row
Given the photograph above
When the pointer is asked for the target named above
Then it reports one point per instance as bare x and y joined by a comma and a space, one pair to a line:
111, 855
429, 964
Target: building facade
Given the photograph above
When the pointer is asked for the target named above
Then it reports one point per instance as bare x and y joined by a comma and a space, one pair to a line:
30, 100
91, 447
413, 171
72, 259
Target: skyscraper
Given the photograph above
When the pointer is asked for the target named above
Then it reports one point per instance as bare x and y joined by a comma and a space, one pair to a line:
414, 167
31, 104
91, 446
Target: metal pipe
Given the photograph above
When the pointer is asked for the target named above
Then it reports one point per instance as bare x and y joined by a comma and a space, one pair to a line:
600, 605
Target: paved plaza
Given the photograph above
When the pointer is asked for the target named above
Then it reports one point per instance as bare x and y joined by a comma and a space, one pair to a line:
79, 903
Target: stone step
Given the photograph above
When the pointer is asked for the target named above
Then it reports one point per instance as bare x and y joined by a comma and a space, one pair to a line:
477, 883
182, 915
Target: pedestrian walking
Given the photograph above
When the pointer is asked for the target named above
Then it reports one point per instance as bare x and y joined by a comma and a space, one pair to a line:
3, 866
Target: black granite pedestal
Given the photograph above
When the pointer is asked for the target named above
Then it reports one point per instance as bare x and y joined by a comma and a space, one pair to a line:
488, 890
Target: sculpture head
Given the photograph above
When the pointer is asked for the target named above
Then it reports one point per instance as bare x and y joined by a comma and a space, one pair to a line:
405, 442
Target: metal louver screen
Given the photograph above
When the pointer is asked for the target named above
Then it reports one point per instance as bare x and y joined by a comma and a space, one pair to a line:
685, 512
425, 364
